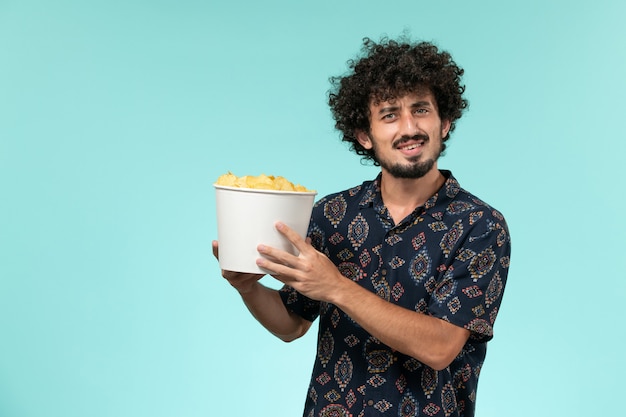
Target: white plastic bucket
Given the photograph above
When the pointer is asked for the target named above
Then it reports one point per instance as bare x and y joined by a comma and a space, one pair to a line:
246, 217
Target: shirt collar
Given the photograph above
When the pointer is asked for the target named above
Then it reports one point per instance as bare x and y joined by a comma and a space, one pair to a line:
433, 206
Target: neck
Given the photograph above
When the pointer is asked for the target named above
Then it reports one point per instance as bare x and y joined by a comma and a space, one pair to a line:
403, 195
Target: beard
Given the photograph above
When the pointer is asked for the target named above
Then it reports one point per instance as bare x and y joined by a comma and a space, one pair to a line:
414, 168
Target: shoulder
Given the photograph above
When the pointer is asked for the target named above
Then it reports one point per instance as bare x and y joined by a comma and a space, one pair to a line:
349, 197
469, 215
464, 201
483, 221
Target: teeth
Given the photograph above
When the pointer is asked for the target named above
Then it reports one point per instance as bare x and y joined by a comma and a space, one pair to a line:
412, 147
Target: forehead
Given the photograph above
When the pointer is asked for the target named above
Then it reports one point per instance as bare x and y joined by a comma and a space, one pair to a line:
423, 95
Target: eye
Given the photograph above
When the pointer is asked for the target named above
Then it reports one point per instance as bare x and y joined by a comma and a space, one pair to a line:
389, 116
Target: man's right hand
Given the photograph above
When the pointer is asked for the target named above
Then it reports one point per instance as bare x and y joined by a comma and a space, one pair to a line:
242, 281
265, 304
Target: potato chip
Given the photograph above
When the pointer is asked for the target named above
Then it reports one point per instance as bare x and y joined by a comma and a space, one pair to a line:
260, 182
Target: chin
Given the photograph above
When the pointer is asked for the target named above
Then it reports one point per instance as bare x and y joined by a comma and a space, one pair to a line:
413, 171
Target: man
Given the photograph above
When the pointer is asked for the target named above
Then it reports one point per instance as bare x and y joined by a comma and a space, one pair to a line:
405, 272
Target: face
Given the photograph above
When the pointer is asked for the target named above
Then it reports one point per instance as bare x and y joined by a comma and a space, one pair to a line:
406, 134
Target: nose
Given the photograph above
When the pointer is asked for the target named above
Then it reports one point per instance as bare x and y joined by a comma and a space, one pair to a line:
408, 124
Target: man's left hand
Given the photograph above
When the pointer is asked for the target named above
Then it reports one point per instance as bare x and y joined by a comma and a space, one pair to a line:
311, 273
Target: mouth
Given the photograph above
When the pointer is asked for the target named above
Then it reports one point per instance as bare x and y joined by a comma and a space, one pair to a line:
411, 147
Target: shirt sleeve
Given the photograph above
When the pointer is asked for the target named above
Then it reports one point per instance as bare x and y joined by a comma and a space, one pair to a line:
471, 288
303, 306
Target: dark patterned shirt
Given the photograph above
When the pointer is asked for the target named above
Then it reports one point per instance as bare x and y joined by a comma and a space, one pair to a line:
448, 259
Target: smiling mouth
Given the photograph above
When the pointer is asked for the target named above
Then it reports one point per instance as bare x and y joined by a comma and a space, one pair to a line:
412, 143
411, 146
409, 143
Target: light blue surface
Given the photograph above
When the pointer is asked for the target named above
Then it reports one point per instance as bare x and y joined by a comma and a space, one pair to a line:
116, 117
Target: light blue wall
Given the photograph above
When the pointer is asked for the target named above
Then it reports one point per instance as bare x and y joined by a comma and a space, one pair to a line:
117, 116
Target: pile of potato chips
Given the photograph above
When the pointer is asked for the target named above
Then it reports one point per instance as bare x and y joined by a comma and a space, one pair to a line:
260, 182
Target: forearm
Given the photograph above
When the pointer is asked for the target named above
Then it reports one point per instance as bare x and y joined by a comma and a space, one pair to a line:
430, 340
267, 307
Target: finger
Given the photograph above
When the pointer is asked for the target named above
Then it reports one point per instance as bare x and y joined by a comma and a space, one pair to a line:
277, 256
291, 235
278, 271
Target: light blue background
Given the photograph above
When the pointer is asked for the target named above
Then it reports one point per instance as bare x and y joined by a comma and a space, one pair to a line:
117, 116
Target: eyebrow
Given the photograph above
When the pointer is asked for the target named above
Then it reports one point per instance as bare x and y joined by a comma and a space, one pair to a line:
421, 103
388, 109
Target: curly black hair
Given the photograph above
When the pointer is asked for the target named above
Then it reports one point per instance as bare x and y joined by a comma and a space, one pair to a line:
391, 69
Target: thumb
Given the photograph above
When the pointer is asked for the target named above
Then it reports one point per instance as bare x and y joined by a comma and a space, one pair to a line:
214, 244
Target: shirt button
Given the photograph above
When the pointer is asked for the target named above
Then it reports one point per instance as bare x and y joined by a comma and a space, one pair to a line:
384, 272
370, 402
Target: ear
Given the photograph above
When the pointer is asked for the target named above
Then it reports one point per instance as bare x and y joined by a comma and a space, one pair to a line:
445, 127
363, 138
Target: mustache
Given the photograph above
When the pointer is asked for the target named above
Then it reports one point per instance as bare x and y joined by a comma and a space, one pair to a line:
405, 139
